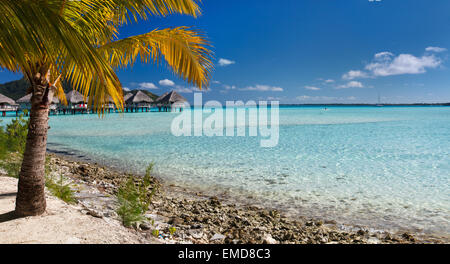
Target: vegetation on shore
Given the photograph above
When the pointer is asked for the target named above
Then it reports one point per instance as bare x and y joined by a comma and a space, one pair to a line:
135, 196
13, 136
12, 146
58, 187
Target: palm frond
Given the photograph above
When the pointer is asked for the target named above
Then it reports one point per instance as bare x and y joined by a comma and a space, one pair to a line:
132, 10
50, 42
184, 50
91, 16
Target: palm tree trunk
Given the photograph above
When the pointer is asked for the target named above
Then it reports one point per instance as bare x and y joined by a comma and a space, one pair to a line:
31, 195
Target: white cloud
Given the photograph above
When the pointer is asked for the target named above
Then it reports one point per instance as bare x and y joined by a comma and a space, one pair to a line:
329, 81
388, 65
126, 89
229, 87
215, 82
263, 88
352, 84
312, 88
182, 89
383, 55
166, 82
435, 49
303, 97
225, 62
354, 75
315, 98
147, 85
318, 99
272, 98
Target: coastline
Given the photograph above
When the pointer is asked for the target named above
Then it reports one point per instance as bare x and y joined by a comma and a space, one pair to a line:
200, 218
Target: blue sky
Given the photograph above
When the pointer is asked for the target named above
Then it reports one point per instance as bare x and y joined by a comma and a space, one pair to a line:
311, 51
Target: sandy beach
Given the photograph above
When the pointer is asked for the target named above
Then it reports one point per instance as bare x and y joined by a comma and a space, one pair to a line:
61, 224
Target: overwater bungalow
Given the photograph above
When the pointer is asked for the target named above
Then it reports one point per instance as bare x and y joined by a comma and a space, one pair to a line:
172, 101
7, 105
75, 103
125, 98
161, 97
25, 104
110, 106
138, 101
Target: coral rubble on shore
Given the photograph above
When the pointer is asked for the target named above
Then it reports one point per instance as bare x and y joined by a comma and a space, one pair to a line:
195, 218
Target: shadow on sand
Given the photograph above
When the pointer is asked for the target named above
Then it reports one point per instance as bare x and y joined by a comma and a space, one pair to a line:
9, 216
5, 195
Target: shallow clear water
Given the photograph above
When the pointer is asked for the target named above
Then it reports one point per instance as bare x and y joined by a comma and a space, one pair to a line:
383, 167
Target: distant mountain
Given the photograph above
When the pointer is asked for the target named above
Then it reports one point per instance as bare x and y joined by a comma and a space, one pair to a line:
152, 95
17, 89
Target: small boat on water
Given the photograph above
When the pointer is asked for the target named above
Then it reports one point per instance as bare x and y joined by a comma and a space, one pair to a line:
379, 104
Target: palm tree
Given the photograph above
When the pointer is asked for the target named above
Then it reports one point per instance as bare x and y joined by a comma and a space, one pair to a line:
51, 41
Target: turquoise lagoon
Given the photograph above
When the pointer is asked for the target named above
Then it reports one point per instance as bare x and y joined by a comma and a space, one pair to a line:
381, 167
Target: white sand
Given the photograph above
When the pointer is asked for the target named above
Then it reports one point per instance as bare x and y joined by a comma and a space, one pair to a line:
61, 223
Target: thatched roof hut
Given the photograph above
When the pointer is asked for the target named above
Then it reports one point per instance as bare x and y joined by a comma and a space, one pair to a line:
170, 98
127, 96
139, 98
27, 99
75, 97
7, 104
24, 100
161, 97
4, 100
